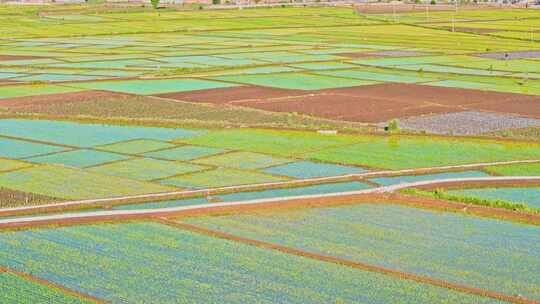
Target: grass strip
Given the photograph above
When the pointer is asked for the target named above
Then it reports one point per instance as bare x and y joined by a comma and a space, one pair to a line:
497, 203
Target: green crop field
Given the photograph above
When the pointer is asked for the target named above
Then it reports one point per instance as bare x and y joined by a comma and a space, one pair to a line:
236, 269
397, 237
224, 153
78, 158
220, 178
529, 197
146, 168
402, 152
517, 169
73, 184
282, 143
137, 146
15, 289
242, 160
185, 152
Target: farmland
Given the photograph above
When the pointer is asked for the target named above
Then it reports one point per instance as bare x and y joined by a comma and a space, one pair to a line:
366, 153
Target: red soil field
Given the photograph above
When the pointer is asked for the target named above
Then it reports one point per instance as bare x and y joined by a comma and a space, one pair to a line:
233, 94
381, 102
414, 93
347, 107
526, 106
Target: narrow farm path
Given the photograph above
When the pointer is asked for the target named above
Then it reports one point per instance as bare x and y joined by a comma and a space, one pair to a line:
65, 206
379, 194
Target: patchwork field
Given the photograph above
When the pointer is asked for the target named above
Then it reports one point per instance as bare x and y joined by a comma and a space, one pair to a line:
358, 60
404, 239
199, 256
366, 153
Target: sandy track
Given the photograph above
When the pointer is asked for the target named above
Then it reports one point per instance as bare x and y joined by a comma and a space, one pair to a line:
380, 194
64, 206
349, 263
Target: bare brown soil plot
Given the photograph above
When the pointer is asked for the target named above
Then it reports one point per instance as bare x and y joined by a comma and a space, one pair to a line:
43, 100
381, 102
232, 94
13, 198
391, 113
527, 106
336, 106
414, 93
358, 104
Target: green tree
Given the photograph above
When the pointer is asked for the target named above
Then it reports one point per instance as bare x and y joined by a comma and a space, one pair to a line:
155, 3
393, 126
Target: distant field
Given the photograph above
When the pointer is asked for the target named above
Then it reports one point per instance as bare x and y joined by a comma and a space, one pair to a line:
353, 58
